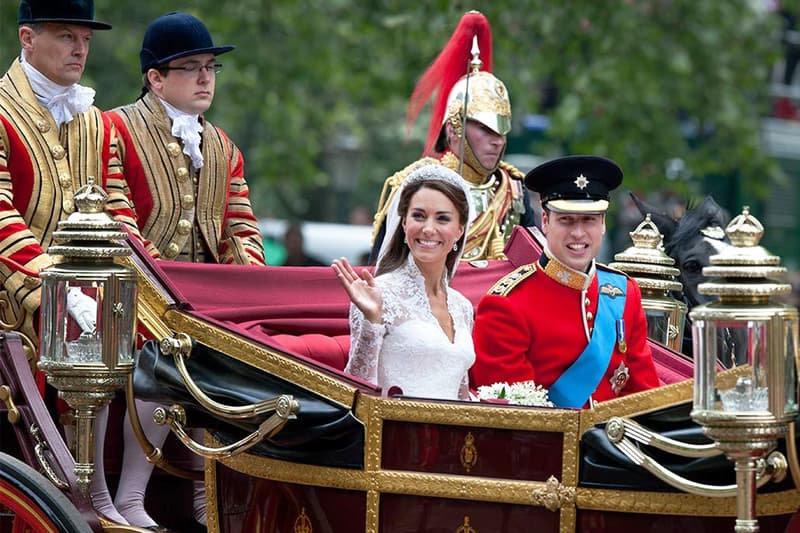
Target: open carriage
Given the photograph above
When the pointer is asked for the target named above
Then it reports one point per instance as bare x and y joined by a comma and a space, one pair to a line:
293, 444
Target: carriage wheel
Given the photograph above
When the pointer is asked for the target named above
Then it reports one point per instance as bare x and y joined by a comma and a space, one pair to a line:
30, 503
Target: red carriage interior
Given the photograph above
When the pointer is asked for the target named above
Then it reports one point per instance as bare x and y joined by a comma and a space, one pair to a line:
304, 310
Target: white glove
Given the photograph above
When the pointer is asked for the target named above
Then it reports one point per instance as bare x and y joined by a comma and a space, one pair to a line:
83, 309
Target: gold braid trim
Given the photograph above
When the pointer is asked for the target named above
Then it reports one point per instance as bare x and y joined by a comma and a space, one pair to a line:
513, 171
507, 283
484, 233
390, 188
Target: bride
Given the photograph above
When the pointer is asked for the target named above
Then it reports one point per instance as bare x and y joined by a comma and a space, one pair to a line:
410, 332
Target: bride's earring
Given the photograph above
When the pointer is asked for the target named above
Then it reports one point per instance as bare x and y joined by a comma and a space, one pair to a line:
455, 246
405, 239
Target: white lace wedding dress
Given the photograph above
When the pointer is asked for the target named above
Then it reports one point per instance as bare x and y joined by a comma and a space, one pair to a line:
409, 349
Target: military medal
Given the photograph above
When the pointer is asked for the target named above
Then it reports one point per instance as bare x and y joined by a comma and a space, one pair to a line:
620, 378
621, 344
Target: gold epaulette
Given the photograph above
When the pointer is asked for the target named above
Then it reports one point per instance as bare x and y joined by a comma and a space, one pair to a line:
507, 283
609, 269
390, 187
513, 171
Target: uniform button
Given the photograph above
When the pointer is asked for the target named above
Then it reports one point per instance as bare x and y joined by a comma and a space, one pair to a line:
174, 149
43, 126
587, 302
65, 180
30, 282
187, 201
184, 227
68, 206
172, 251
589, 315
58, 151
183, 174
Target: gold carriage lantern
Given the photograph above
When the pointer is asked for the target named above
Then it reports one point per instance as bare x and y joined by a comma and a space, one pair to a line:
655, 274
747, 409
88, 317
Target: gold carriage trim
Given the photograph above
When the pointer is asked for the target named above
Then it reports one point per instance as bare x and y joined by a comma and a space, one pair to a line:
553, 496
507, 283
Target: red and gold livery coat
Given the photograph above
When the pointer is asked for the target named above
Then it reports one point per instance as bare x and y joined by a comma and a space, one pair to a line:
182, 212
536, 321
41, 168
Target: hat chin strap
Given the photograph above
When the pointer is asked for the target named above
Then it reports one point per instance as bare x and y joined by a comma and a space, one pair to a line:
474, 171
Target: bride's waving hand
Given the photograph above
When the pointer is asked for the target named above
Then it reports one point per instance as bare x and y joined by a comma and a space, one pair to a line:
361, 289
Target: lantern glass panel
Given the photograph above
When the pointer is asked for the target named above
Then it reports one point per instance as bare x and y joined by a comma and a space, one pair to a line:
83, 339
70, 325
125, 311
51, 319
790, 364
745, 343
704, 344
658, 323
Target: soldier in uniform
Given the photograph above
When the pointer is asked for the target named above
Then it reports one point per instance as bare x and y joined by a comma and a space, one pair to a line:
472, 144
187, 182
53, 141
566, 322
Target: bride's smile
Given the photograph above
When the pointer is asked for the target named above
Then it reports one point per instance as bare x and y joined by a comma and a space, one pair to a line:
432, 226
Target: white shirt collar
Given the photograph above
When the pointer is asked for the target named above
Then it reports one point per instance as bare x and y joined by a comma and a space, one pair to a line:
187, 128
62, 102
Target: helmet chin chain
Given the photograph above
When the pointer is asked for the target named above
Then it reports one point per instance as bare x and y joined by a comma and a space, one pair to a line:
473, 170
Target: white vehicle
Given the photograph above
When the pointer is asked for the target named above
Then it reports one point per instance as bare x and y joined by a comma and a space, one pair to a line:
324, 241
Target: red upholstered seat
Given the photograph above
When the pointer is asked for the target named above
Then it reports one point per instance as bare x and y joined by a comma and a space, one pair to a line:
329, 350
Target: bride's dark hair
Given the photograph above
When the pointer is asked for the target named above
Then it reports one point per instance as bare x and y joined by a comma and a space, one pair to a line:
397, 253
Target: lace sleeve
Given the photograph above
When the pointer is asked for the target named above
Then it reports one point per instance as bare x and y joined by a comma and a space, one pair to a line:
366, 340
463, 389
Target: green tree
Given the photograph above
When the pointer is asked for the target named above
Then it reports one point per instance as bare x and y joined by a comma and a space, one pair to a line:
641, 81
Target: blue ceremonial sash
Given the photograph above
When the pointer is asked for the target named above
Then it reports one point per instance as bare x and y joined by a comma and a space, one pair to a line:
580, 380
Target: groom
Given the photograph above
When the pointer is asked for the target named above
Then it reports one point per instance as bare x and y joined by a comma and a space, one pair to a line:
567, 322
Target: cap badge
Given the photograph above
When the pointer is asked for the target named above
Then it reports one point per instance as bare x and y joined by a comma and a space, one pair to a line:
581, 182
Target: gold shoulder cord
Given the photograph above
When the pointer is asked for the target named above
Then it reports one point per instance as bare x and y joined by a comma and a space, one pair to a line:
513, 171
507, 283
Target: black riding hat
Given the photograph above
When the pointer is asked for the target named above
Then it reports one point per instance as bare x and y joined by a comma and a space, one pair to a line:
176, 35
80, 12
576, 183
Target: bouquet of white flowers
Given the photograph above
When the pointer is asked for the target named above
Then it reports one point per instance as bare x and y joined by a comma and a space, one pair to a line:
520, 393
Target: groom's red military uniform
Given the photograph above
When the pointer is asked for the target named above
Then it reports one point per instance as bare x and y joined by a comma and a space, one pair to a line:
554, 318
565, 322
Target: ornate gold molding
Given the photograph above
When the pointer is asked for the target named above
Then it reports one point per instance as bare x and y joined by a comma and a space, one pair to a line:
554, 496
373, 511
637, 403
678, 503
471, 414
212, 509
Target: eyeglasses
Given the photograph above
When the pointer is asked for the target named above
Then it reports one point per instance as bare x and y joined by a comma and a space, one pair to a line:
194, 68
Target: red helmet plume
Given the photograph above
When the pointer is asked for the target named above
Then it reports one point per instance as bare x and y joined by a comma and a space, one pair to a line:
449, 66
